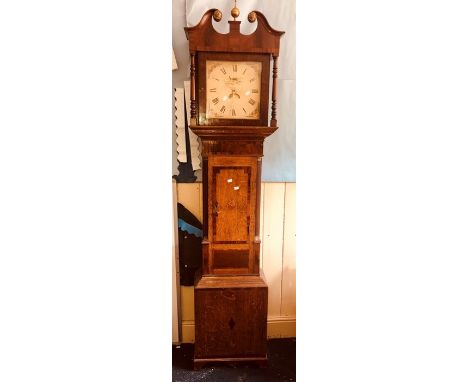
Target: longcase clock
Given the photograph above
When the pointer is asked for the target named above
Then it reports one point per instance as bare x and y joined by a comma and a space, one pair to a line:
230, 109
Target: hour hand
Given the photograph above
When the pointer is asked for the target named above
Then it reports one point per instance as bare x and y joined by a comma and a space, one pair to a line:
232, 93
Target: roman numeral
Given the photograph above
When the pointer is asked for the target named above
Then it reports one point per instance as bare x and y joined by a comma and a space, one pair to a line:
223, 70
244, 71
233, 112
252, 80
223, 109
251, 101
214, 90
234, 68
245, 111
215, 100
254, 90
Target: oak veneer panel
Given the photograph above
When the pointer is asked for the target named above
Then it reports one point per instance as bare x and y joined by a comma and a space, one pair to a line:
231, 318
232, 198
273, 215
288, 292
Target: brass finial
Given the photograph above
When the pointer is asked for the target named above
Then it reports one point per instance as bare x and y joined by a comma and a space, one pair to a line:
235, 11
217, 15
252, 17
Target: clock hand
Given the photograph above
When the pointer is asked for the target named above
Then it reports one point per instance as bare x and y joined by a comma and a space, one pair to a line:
233, 93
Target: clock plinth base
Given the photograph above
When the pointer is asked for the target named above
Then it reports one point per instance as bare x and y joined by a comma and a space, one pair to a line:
202, 362
230, 319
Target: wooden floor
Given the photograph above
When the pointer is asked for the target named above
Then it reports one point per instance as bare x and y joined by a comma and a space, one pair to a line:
281, 365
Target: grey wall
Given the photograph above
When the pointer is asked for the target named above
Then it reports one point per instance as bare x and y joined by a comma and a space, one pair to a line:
279, 162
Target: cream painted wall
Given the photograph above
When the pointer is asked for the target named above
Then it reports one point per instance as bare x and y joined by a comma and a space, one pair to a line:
278, 256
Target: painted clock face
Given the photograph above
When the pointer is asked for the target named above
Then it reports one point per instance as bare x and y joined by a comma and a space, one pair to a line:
233, 89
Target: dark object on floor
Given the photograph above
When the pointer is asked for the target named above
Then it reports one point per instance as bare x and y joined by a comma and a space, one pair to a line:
190, 248
281, 366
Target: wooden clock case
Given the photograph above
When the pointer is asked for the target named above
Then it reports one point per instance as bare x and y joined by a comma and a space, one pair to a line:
231, 295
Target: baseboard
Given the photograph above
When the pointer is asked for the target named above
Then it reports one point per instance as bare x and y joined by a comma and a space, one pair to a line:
188, 332
277, 327
281, 327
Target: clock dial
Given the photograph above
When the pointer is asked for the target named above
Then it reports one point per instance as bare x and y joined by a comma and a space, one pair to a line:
233, 89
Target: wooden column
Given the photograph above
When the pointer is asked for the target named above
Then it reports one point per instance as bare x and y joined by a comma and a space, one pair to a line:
274, 91
192, 87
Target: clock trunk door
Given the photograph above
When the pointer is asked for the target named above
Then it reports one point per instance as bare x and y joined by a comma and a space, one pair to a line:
232, 198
